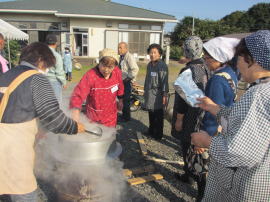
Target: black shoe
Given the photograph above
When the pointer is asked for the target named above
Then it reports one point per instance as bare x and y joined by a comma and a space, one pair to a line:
185, 178
201, 187
158, 138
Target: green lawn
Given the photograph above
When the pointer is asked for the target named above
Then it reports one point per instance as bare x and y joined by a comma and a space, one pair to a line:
174, 69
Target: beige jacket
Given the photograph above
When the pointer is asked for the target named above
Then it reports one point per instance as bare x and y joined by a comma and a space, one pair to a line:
129, 67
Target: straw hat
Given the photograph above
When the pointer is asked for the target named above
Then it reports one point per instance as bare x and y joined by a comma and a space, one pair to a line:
108, 53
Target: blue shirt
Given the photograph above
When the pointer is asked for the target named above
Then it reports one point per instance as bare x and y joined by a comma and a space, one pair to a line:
221, 92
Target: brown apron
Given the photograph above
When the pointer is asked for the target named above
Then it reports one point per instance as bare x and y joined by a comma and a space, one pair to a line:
16, 148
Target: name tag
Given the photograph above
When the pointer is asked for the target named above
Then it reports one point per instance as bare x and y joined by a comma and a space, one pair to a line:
114, 89
153, 74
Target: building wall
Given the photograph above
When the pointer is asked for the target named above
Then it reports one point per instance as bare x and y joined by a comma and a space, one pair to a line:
104, 33
30, 17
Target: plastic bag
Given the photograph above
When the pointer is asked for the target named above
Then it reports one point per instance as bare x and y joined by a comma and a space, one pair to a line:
187, 89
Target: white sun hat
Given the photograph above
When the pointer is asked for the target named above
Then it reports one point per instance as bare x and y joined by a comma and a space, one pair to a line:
221, 49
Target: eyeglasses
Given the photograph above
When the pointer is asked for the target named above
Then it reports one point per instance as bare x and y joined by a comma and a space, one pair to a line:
207, 57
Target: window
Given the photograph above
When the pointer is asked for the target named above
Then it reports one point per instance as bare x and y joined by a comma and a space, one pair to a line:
156, 27
80, 41
123, 26
154, 38
133, 27
68, 39
123, 37
138, 42
145, 27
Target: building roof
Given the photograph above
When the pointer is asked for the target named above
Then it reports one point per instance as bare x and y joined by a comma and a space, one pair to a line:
237, 35
84, 8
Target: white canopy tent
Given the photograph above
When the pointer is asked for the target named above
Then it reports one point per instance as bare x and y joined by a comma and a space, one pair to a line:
11, 33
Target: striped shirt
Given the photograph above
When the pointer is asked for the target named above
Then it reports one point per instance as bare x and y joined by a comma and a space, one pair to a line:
34, 98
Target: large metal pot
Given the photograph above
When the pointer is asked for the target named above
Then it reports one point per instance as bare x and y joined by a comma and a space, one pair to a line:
84, 148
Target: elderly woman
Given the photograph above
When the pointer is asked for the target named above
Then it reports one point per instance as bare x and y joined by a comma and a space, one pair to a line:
221, 88
240, 164
100, 87
187, 116
25, 97
155, 90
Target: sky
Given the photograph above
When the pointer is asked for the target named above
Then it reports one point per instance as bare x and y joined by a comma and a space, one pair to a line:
203, 9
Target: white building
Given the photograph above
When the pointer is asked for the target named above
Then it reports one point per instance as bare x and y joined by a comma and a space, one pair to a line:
87, 26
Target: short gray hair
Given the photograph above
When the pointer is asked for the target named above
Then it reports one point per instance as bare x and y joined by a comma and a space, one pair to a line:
124, 44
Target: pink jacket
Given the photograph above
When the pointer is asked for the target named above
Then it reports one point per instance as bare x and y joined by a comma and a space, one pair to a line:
4, 63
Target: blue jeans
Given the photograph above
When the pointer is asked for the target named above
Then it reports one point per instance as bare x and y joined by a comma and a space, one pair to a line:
30, 197
57, 88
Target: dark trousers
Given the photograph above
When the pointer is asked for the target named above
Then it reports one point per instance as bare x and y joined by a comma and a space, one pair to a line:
184, 147
126, 100
156, 119
201, 181
68, 76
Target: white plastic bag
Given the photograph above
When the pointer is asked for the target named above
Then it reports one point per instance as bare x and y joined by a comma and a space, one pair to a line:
187, 89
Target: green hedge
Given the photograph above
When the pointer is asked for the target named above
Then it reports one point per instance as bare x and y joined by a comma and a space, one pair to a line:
176, 52
14, 52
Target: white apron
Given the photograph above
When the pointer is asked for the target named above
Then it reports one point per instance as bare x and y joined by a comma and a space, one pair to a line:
17, 148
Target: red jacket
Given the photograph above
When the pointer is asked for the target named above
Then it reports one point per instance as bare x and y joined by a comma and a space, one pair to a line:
100, 95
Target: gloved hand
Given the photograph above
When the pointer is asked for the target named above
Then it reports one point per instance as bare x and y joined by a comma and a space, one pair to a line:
81, 127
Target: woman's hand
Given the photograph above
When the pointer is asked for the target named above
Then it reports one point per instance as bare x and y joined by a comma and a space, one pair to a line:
81, 128
164, 100
76, 115
178, 125
120, 104
201, 139
208, 105
198, 150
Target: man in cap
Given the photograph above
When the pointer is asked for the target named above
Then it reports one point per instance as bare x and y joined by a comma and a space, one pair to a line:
130, 70
56, 74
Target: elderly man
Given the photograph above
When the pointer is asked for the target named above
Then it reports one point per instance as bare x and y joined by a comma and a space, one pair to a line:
130, 70
56, 74
3, 61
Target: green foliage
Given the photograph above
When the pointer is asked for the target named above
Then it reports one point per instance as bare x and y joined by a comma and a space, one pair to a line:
14, 51
176, 52
256, 18
259, 16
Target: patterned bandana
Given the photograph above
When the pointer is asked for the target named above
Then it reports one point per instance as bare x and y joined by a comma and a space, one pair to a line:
193, 47
258, 45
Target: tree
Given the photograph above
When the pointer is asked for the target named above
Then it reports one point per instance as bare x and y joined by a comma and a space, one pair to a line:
260, 16
14, 52
257, 17
203, 28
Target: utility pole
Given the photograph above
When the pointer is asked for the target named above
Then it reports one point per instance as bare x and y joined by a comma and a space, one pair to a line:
193, 23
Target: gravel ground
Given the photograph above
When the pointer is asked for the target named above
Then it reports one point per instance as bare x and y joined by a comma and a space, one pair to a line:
167, 189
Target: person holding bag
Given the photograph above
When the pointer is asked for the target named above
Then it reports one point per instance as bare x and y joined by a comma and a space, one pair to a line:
26, 98
240, 155
194, 74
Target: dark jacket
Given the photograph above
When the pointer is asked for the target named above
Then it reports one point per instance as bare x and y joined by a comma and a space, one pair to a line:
200, 75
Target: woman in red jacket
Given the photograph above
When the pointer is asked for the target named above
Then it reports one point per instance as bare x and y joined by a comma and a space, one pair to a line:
99, 87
